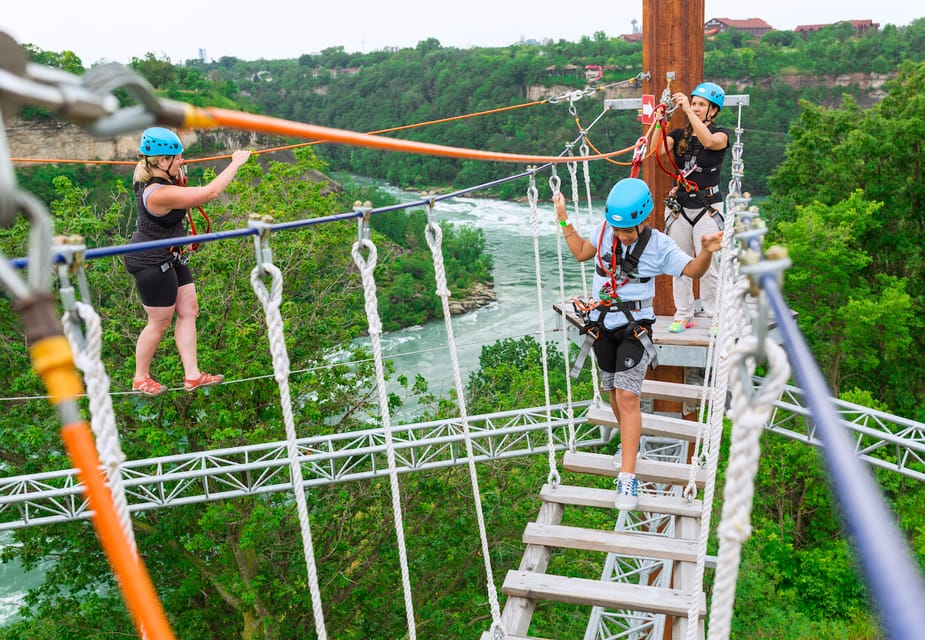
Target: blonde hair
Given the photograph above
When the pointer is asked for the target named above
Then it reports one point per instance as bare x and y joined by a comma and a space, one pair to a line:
143, 168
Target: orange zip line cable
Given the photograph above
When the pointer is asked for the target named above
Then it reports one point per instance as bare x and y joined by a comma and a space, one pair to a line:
205, 118
403, 127
210, 117
300, 144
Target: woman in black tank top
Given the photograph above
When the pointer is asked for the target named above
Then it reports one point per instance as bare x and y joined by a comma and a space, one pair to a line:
164, 283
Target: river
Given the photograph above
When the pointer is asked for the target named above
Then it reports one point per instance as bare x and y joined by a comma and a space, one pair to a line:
515, 313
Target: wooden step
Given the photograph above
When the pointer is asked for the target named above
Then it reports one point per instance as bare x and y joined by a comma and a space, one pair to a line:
604, 498
646, 470
597, 593
623, 543
662, 390
652, 424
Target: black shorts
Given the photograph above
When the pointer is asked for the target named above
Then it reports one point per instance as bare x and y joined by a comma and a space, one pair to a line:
158, 288
619, 350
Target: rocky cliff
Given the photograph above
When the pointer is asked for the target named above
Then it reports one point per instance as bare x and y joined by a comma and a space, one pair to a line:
50, 139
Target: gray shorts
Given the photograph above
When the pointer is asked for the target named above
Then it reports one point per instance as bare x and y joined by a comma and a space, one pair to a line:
629, 380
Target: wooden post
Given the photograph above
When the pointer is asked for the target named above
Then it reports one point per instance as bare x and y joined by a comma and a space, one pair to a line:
672, 43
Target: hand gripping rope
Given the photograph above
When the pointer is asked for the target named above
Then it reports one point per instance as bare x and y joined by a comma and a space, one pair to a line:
271, 301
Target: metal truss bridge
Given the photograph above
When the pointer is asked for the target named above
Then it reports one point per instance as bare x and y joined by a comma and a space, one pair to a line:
881, 439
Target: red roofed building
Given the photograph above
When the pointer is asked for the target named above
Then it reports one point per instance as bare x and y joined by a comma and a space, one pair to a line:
860, 26
755, 26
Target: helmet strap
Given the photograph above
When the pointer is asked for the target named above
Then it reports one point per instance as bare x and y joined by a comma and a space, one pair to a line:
156, 165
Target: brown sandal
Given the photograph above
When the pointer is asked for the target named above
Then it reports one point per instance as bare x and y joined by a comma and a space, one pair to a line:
204, 380
149, 387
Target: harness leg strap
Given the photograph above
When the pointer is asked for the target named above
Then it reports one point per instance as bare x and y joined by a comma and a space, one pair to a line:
582, 355
649, 346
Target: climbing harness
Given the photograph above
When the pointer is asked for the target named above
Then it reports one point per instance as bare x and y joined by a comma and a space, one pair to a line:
621, 271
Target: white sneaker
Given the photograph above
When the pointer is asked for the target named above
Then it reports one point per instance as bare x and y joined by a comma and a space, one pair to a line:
627, 492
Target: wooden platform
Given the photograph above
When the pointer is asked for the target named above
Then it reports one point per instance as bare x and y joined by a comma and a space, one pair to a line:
696, 336
677, 554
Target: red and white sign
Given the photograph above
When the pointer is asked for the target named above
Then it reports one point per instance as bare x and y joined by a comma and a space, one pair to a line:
648, 109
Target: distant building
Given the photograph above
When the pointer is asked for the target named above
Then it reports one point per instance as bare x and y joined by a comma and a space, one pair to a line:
565, 70
860, 26
635, 35
754, 26
202, 55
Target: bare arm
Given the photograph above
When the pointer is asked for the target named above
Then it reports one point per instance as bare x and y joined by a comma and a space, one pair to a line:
699, 265
714, 141
581, 248
170, 197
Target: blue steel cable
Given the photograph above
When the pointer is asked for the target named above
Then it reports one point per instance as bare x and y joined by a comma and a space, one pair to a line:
22, 263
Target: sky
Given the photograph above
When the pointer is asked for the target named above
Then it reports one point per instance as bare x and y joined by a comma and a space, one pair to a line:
117, 31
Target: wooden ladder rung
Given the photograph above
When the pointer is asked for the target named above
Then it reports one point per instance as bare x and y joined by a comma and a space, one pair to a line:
652, 424
646, 470
662, 390
622, 543
597, 593
604, 498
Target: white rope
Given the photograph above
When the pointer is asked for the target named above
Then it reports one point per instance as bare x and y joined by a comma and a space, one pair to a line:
586, 173
87, 356
534, 224
749, 412
731, 329
434, 235
367, 268
729, 293
554, 184
271, 302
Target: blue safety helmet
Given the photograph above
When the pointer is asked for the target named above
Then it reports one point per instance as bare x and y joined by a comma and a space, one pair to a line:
629, 203
158, 141
710, 92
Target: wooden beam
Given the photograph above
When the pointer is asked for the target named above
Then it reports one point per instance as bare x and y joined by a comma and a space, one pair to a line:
672, 43
596, 593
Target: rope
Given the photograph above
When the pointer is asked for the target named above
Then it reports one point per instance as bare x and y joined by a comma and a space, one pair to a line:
732, 326
434, 235
87, 357
585, 170
271, 302
749, 412
554, 184
534, 224
366, 268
